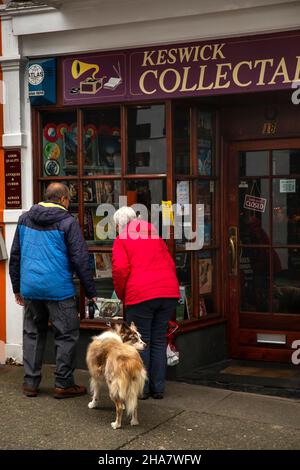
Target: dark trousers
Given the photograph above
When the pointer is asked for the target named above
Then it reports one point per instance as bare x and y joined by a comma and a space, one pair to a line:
65, 322
151, 319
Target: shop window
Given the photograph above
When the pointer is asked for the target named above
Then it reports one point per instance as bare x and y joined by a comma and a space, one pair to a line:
205, 191
90, 165
206, 267
146, 140
146, 192
205, 142
183, 263
59, 144
182, 140
98, 225
196, 188
102, 142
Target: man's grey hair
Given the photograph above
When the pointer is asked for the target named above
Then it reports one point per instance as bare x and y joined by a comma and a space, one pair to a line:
124, 215
55, 191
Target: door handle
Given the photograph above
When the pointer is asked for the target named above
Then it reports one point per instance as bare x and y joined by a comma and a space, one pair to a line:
233, 250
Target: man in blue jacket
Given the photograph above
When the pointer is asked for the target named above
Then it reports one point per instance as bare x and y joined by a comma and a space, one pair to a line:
48, 248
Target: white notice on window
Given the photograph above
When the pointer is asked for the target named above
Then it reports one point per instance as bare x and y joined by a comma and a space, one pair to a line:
182, 196
182, 193
287, 186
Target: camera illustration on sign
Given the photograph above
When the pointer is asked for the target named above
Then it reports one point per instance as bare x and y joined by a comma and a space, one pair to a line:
92, 83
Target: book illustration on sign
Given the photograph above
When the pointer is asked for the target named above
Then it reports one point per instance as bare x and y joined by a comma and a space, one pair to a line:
114, 82
91, 84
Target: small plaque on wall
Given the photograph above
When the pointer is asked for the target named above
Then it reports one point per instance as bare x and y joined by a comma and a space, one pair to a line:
13, 193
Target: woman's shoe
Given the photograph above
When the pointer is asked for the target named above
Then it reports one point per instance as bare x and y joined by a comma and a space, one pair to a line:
157, 396
145, 396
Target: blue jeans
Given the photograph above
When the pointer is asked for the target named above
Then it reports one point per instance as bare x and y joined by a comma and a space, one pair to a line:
151, 319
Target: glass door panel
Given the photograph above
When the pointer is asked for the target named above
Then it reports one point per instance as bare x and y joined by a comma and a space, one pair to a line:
269, 231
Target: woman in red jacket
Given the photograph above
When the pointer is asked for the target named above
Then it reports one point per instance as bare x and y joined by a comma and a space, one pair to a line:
145, 280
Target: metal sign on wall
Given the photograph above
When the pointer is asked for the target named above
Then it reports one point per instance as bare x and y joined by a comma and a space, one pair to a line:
261, 63
13, 189
42, 81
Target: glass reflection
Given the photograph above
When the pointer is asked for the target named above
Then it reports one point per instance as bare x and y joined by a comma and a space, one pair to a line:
286, 211
286, 285
146, 139
254, 212
254, 163
254, 279
182, 140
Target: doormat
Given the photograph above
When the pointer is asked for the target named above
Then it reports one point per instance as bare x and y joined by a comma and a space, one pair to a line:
259, 372
282, 380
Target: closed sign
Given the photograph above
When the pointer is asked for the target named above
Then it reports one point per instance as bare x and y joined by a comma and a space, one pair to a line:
255, 203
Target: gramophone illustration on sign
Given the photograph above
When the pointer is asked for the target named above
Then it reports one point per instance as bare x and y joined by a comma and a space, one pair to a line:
92, 84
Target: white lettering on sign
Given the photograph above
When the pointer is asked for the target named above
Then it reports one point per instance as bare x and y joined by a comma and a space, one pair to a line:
255, 203
288, 186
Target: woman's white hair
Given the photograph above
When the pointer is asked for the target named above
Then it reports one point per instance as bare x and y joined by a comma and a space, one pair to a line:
124, 215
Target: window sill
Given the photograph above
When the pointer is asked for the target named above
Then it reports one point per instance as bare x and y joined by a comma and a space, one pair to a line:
184, 326
191, 325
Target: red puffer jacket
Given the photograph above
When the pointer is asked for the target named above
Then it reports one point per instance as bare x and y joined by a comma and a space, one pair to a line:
142, 267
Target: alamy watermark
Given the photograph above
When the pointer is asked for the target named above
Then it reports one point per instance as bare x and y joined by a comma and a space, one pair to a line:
296, 93
180, 218
296, 354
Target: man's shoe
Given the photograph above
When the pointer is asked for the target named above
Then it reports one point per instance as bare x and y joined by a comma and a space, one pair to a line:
157, 396
69, 392
30, 391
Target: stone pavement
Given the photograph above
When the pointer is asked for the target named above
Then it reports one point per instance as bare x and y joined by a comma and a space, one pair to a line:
190, 417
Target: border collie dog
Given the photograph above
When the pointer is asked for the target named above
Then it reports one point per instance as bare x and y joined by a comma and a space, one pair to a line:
113, 357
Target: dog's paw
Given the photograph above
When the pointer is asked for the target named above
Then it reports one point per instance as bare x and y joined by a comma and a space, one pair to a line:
134, 422
115, 425
92, 404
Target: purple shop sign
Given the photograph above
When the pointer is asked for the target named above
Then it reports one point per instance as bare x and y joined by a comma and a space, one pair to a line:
270, 62
96, 78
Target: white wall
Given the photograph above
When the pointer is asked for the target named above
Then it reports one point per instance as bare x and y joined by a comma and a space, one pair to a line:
17, 134
119, 24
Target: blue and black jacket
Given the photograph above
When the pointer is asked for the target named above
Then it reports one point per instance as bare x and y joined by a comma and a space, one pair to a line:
48, 248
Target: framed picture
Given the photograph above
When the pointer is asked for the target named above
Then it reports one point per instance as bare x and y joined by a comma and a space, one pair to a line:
70, 147
103, 265
204, 161
205, 275
88, 191
104, 192
202, 307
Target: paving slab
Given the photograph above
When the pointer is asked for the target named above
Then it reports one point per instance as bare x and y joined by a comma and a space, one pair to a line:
258, 408
202, 431
45, 423
189, 417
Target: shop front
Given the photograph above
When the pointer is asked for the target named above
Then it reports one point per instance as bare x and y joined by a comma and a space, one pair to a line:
214, 125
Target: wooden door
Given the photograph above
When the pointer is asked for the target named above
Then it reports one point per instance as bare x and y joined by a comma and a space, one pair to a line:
263, 246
